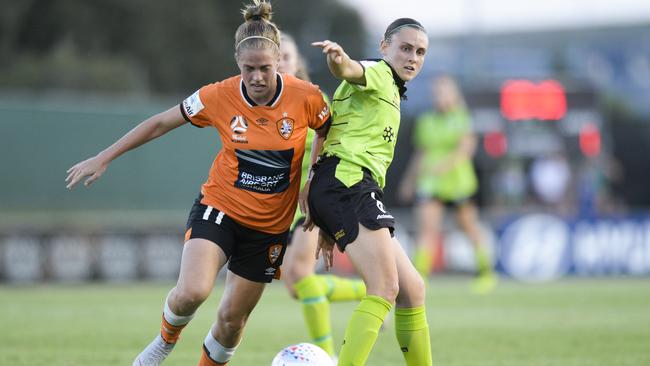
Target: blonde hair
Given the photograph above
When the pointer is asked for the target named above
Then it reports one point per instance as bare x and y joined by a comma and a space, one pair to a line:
302, 72
257, 31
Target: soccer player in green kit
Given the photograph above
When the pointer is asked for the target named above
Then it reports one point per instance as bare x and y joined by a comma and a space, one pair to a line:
345, 192
314, 291
442, 173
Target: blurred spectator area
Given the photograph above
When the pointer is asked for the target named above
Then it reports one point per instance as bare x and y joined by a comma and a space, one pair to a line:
42, 137
602, 131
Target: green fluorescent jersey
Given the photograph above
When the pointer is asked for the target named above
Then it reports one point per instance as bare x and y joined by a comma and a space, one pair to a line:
437, 136
365, 122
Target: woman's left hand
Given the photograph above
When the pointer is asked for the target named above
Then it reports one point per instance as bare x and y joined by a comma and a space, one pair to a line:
303, 196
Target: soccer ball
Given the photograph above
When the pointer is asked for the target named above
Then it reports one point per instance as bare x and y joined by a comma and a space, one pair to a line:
303, 354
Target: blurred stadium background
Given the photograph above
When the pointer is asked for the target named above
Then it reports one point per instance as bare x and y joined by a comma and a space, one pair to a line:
560, 97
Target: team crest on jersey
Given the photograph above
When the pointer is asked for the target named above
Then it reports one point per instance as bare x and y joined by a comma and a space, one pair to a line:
285, 127
274, 252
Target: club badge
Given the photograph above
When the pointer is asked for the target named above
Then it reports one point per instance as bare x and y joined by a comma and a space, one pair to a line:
285, 127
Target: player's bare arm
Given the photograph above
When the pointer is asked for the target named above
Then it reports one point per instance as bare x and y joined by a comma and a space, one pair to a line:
340, 64
316, 146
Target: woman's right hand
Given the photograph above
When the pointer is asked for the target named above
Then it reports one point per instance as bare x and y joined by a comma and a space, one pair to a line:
326, 247
333, 50
340, 64
93, 167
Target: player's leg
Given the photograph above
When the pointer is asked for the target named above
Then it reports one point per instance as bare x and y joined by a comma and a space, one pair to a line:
372, 256
237, 302
200, 263
411, 327
467, 216
339, 289
302, 282
256, 259
429, 219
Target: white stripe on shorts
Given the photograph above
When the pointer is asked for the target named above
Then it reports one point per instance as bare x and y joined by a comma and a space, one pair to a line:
219, 218
207, 212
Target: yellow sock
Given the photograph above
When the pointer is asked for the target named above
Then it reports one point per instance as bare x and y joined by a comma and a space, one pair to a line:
423, 260
483, 260
342, 289
361, 332
316, 310
412, 332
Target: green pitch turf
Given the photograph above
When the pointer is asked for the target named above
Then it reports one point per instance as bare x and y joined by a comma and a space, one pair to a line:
579, 322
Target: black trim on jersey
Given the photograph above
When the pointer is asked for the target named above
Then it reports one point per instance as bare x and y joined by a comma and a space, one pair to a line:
278, 90
389, 102
401, 84
342, 99
187, 118
338, 124
325, 127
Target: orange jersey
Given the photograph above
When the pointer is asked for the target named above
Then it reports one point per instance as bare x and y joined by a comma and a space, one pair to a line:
255, 178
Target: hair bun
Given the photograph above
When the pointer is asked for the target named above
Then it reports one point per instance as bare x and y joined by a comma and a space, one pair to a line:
258, 10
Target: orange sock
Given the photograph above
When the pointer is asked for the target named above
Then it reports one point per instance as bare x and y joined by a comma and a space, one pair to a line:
214, 353
207, 361
170, 333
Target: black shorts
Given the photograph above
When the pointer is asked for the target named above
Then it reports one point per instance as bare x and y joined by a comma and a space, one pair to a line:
252, 254
338, 210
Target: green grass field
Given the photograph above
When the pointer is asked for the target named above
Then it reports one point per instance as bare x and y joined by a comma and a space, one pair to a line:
579, 322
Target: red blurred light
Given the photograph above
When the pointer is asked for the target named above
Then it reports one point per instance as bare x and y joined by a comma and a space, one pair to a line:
590, 140
495, 144
523, 99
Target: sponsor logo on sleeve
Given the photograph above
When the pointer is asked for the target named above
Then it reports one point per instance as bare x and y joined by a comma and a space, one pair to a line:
193, 104
324, 113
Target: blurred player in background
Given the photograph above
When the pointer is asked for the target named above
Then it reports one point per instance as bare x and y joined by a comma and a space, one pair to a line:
441, 173
245, 209
346, 190
315, 292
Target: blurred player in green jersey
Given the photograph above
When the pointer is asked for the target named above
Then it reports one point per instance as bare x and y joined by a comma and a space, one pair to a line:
441, 175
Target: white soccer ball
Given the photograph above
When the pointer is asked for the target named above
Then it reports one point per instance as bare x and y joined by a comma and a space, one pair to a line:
303, 354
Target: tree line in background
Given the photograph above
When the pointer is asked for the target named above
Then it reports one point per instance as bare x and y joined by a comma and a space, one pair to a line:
151, 47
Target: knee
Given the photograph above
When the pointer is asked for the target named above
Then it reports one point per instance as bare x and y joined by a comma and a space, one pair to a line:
230, 321
292, 274
414, 295
387, 289
191, 297
288, 283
